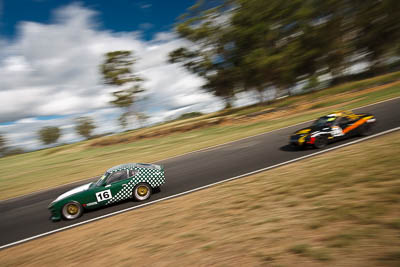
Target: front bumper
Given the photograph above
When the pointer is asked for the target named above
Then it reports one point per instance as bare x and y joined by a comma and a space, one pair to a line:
301, 140
55, 217
295, 141
55, 214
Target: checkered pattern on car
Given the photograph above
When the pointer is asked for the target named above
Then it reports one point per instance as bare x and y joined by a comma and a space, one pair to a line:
151, 176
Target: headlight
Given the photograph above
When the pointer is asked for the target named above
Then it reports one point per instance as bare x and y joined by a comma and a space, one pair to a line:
50, 205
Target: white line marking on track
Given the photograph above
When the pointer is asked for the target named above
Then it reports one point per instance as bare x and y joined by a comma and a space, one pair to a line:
191, 152
197, 189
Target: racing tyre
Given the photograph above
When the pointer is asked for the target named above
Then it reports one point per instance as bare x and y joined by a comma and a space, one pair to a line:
142, 192
365, 129
320, 142
72, 210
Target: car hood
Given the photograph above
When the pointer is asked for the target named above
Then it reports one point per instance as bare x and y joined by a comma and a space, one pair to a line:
74, 191
303, 131
310, 129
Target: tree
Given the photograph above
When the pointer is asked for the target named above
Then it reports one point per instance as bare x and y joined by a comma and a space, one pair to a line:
312, 84
117, 71
251, 45
3, 145
284, 41
85, 126
142, 118
206, 26
123, 120
241, 45
14, 151
49, 134
377, 29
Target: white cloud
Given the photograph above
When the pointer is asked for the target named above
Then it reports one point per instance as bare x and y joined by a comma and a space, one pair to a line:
26, 121
52, 70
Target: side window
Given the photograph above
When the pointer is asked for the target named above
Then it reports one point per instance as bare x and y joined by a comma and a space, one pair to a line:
117, 176
335, 122
132, 173
331, 121
343, 121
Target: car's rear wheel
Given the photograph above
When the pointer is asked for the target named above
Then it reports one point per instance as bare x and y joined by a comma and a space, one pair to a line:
72, 210
142, 192
365, 129
320, 142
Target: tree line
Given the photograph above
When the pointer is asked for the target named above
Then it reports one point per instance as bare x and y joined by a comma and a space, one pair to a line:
84, 126
253, 45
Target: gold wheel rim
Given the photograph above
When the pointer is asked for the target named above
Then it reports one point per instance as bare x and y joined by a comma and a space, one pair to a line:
72, 209
142, 191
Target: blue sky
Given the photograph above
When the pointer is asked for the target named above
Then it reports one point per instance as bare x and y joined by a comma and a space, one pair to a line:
150, 16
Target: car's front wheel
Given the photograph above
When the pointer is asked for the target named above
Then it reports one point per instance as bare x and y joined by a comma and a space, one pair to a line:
142, 192
72, 210
365, 129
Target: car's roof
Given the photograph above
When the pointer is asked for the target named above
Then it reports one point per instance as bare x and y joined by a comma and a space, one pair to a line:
341, 113
131, 166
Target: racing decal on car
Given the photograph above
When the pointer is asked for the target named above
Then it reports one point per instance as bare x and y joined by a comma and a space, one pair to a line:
303, 131
318, 133
103, 195
151, 176
124, 193
73, 191
355, 125
336, 131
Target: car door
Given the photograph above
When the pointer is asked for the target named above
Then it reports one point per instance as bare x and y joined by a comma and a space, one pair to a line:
344, 124
115, 184
108, 192
336, 129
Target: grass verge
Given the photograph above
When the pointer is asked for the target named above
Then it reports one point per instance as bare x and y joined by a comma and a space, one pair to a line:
30, 172
345, 214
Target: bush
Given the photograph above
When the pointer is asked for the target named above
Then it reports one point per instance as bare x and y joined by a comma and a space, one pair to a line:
190, 115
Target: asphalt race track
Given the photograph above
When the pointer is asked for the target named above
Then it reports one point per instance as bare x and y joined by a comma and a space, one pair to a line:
27, 216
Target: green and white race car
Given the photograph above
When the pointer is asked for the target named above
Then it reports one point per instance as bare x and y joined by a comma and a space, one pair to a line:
133, 180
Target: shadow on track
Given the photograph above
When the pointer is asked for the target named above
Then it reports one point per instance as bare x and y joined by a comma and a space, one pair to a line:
291, 148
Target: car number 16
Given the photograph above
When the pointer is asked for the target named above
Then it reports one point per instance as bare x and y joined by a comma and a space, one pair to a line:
103, 195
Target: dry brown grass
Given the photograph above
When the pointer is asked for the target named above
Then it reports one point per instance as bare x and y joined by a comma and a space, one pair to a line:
157, 132
336, 209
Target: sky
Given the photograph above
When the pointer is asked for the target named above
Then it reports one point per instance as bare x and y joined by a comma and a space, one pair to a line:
148, 16
50, 52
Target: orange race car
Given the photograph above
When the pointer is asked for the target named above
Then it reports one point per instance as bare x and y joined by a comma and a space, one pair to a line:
337, 125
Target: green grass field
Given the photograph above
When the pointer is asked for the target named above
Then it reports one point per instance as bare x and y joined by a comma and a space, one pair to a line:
340, 208
30, 172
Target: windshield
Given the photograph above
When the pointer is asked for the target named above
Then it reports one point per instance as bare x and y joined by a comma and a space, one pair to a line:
101, 180
324, 121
